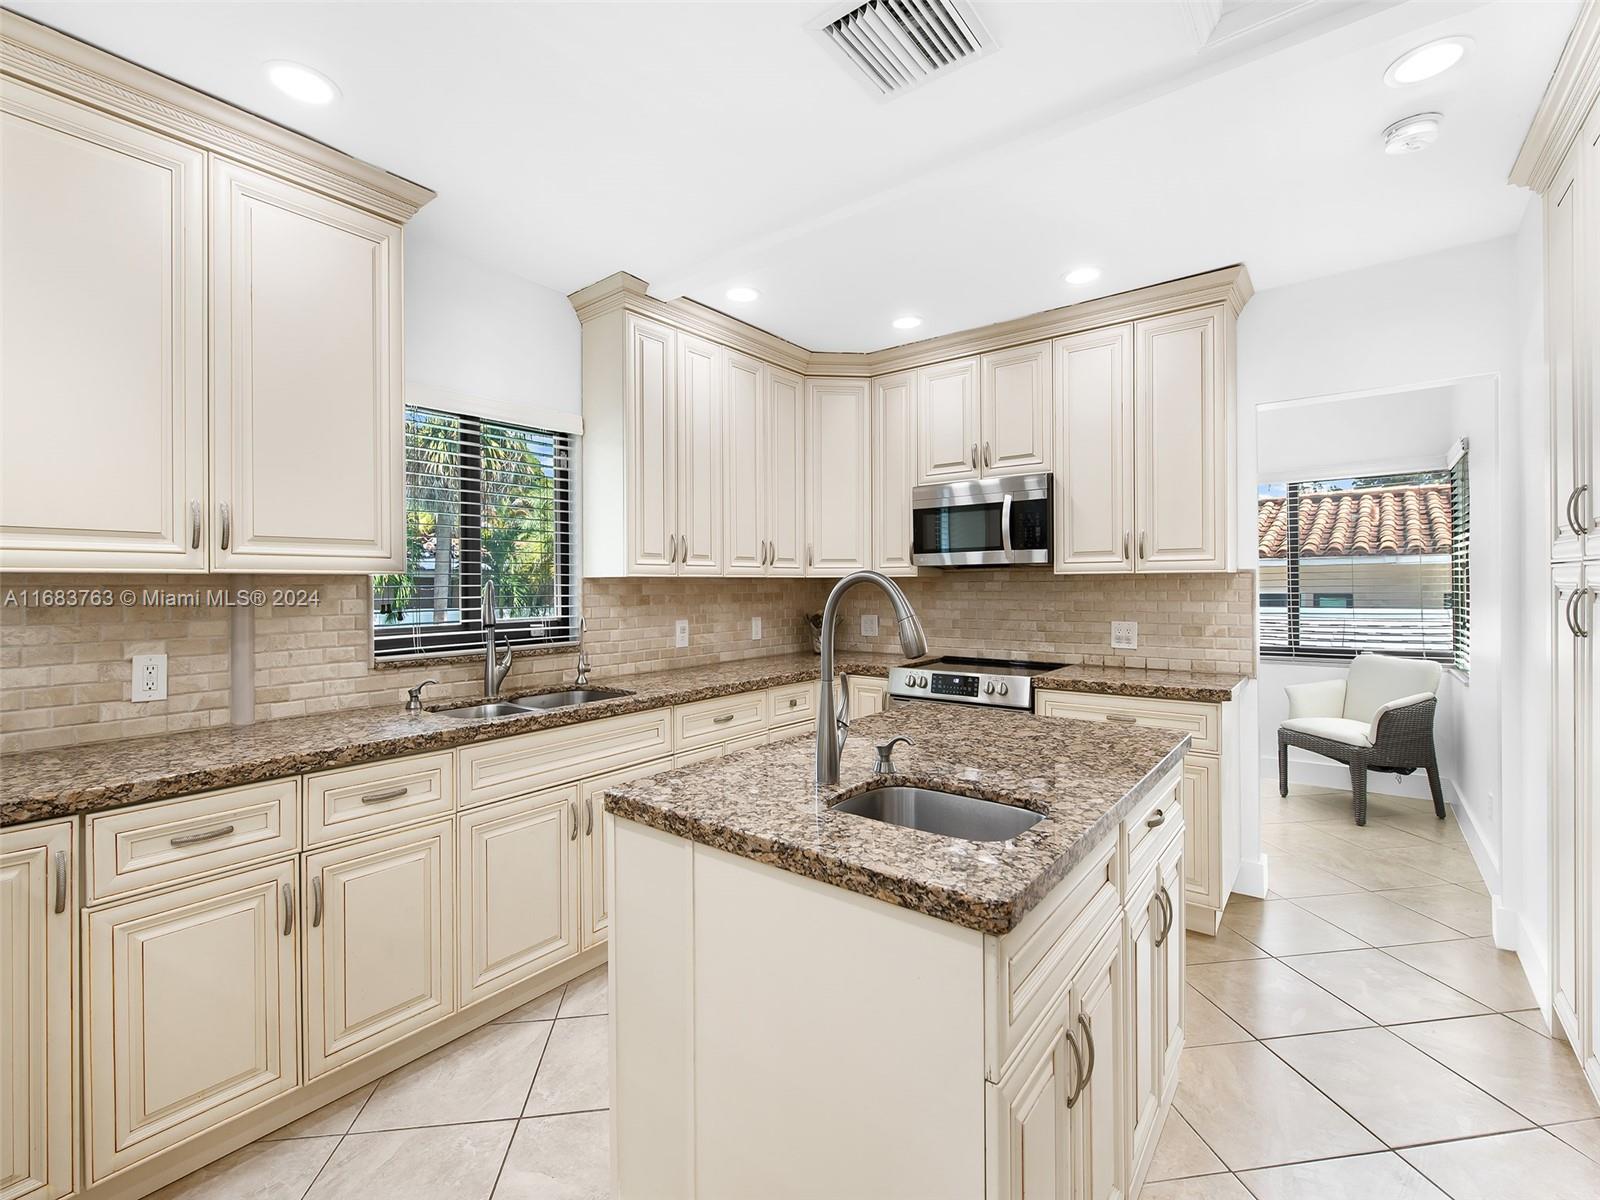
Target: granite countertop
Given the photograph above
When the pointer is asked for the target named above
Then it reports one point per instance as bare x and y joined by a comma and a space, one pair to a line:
1200, 687
55, 783
761, 804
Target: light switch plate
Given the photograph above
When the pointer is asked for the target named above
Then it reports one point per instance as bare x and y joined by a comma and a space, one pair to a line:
149, 677
869, 624
755, 629
1124, 635
681, 636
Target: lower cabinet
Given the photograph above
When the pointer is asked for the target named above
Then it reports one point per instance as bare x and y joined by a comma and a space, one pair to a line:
1034, 1127
191, 1010
593, 914
38, 1011
380, 941
1155, 985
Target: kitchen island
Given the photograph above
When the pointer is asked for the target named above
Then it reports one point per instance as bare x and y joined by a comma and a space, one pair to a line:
925, 1016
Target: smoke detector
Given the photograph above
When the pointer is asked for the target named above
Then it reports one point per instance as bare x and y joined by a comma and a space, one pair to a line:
893, 46
1410, 134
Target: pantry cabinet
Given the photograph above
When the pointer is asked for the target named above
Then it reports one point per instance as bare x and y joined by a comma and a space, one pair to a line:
893, 471
38, 1011
839, 493
1094, 451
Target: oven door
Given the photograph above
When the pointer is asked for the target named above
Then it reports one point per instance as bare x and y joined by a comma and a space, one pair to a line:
982, 522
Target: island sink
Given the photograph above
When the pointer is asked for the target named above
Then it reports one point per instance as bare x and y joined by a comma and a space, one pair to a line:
944, 813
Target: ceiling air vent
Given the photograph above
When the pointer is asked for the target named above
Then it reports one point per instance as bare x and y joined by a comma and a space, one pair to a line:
895, 45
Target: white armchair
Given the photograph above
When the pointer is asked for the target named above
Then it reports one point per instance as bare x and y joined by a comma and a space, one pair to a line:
1378, 718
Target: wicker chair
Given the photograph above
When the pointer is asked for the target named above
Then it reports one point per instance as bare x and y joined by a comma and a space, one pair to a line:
1379, 718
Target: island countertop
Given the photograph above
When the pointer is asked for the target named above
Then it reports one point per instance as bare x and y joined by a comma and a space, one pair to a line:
761, 804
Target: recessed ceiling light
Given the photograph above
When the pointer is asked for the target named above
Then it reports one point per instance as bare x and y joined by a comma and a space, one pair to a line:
302, 83
1079, 276
1426, 61
1411, 134
743, 295
907, 322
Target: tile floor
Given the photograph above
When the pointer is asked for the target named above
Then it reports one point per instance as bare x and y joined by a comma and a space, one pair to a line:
1357, 1036
516, 1110
1354, 1036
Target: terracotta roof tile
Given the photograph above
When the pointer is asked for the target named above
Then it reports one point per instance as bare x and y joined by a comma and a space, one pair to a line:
1408, 519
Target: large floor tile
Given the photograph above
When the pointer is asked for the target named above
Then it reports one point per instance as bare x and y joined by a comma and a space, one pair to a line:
1450, 904
1394, 1089
1293, 875
1474, 967
566, 1157
1283, 927
540, 1008
481, 1076
1533, 1019
1317, 804
1531, 1165
1226, 946
333, 1118
1374, 870
1382, 987
1297, 837
1374, 835
575, 1074
1378, 921
1181, 1153
1204, 1024
1454, 863
1270, 1000
1365, 1177
1532, 1074
586, 995
1582, 1136
1423, 824
1205, 1187
260, 1171
449, 1162
1253, 1110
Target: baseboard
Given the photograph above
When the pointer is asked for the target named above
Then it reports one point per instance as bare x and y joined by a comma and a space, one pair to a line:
1252, 878
1531, 954
1488, 861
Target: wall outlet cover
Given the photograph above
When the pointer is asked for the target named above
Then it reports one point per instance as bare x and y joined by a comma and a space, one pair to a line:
869, 624
755, 629
681, 634
149, 677
1124, 635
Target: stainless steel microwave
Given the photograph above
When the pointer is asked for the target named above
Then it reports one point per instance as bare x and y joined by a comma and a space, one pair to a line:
982, 522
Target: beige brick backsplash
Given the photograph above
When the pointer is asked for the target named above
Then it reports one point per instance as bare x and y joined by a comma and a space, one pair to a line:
65, 674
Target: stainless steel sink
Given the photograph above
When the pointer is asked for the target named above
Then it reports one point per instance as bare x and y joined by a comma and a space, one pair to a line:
941, 812
567, 699
479, 712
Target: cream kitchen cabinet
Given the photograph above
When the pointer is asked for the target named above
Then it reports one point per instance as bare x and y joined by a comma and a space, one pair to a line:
191, 1013
649, 470
1094, 451
38, 1011
1569, 470
1155, 982
1575, 800
786, 473
894, 413
1014, 410
763, 469
948, 422
699, 448
1030, 1119
593, 913
839, 462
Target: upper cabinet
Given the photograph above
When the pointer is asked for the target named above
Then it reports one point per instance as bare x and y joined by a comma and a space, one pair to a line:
893, 471
786, 473
1568, 469
1014, 416
947, 421
249, 421
1094, 450
763, 469
699, 473
839, 498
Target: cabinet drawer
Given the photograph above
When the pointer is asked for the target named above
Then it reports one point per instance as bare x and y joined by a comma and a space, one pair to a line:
1202, 722
707, 722
553, 757
380, 795
1152, 825
131, 849
792, 704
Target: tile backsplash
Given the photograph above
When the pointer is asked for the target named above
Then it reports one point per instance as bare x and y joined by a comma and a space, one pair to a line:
65, 674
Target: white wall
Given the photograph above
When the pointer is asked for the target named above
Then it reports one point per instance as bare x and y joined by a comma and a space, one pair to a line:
483, 340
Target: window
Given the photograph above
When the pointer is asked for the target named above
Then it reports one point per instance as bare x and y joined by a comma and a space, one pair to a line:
484, 501
1375, 563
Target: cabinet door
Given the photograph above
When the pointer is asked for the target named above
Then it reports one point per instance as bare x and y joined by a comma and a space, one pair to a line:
893, 476
102, 346
1563, 331
518, 870
1030, 1123
1145, 920
947, 421
594, 910
744, 467
307, 419
1566, 817
650, 399
1201, 793
191, 1011
1178, 431
38, 1011
380, 942
1588, 511
839, 498
1099, 1024
1171, 962
1094, 451
786, 473
1015, 411
699, 456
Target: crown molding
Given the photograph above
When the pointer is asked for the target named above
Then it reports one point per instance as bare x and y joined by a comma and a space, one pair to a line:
1229, 286
1571, 93
38, 55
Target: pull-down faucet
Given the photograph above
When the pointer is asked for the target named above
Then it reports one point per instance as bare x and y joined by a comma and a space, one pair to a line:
494, 673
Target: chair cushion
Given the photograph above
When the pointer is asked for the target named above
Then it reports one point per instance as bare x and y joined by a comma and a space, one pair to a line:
1335, 729
1376, 679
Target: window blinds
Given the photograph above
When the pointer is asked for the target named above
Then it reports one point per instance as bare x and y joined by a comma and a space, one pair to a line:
1460, 558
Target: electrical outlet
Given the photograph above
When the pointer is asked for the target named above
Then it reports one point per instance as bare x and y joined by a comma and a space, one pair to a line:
869, 624
1124, 635
149, 677
755, 629
681, 637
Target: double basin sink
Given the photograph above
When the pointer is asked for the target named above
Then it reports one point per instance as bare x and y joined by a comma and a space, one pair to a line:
542, 702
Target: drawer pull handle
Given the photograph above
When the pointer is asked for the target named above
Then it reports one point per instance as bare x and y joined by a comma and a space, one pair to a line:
723, 719
205, 835
573, 836
1077, 1068
288, 908
1088, 1040
61, 881
1166, 916
1122, 720
794, 702
393, 793
588, 816
1156, 820
316, 901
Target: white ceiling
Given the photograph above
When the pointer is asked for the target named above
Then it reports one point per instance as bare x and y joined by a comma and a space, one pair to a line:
705, 145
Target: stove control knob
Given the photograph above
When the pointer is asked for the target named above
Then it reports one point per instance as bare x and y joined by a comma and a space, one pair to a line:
988, 688
922, 681
1005, 689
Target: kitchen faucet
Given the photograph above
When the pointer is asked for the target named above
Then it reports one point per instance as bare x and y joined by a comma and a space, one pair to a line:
832, 730
494, 673
581, 680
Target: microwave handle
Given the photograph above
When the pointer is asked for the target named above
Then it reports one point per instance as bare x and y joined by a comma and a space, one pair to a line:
1005, 523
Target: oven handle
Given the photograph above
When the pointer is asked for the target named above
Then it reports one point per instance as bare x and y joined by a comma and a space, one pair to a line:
1005, 523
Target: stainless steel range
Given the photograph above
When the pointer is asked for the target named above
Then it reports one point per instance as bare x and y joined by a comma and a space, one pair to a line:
1001, 683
